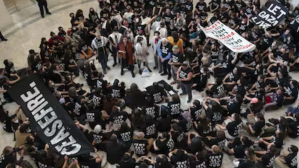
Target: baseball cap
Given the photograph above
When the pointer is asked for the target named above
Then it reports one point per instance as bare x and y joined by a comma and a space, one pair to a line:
185, 63
254, 100
175, 47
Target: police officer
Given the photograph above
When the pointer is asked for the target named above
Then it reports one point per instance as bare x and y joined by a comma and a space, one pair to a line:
41, 5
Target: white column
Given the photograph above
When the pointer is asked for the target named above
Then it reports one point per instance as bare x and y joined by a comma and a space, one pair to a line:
5, 17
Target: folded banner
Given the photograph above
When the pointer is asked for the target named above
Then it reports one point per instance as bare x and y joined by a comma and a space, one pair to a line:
270, 15
48, 118
228, 37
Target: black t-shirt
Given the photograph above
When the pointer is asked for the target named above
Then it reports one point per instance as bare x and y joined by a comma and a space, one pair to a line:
233, 128
97, 101
205, 131
153, 111
157, 94
239, 152
215, 160
166, 49
241, 90
184, 74
247, 164
119, 118
6, 159
268, 160
196, 111
164, 124
292, 92
96, 138
177, 58
188, 6
151, 3
45, 163
150, 131
200, 6
165, 146
93, 116
233, 106
240, 5
218, 141
125, 136
118, 92
196, 145
80, 108
186, 125
214, 4
295, 127
291, 160
168, 18
179, 138
258, 126
140, 147
198, 164
232, 77
180, 162
214, 116
175, 109
88, 163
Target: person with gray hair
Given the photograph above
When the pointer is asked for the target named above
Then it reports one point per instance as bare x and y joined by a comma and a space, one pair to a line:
184, 76
98, 44
164, 52
175, 62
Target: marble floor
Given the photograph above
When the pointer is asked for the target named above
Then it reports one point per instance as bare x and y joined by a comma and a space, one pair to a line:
29, 29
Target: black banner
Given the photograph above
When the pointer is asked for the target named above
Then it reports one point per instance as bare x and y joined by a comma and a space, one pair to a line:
270, 15
48, 118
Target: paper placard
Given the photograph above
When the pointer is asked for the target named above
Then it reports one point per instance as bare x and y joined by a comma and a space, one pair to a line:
228, 37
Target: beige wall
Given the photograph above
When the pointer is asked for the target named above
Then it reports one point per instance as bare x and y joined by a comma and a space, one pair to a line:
5, 18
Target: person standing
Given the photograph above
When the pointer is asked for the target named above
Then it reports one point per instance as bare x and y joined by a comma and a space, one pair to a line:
175, 62
114, 39
2, 37
164, 52
99, 45
125, 51
184, 76
41, 5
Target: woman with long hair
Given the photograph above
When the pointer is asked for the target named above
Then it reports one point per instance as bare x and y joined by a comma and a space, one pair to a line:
249, 162
174, 39
93, 15
125, 135
204, 127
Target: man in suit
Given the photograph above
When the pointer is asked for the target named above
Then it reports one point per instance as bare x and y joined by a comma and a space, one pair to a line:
41, 5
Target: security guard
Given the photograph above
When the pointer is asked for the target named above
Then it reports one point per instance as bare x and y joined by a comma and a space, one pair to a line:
41, 5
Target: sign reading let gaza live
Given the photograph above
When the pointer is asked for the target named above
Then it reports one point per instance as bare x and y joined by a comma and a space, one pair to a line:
48, 118
270, 15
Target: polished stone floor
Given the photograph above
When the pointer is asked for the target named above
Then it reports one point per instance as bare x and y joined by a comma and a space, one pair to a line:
30, 28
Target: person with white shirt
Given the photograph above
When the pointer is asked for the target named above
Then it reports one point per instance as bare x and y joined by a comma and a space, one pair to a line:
98, 44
